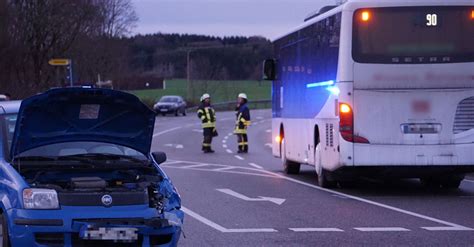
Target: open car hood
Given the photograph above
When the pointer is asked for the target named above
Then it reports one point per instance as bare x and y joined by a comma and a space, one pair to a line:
83, 114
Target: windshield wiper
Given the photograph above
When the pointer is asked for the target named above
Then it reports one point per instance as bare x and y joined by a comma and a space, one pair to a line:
105, 157
36, 158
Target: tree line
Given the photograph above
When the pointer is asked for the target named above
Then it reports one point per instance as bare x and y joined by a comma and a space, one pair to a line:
97, 36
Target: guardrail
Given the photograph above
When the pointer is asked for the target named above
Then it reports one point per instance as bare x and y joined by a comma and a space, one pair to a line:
230, 105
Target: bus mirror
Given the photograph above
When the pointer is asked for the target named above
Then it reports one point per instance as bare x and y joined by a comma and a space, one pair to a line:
269, 70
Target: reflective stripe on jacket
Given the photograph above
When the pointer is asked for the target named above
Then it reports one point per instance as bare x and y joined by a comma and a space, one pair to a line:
243, 119
207, 116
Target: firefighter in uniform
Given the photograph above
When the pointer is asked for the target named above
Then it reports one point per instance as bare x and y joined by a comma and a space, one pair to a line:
208, 117
242, 122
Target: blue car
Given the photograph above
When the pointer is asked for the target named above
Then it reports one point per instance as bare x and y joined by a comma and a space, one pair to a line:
76, 170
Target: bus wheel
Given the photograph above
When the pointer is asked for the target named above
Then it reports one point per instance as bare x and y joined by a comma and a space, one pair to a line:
290, 167
452, 182
323, 174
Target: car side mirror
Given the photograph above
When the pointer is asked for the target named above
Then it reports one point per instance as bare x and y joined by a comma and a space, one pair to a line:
159, 157
269, 70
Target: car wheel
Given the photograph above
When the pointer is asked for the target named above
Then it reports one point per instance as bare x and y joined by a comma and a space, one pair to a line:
290, 167
5, 235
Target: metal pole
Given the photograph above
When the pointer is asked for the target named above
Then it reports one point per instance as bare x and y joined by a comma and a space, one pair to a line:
188, 76
70, 73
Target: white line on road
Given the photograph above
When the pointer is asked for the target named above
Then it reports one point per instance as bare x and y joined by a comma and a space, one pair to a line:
166, 131
224, 141
255, 165
179, 146
223, 169
238, 157
230, 192
448, 228
221, 228
268, 145
268, 130
316, 229
170, 162
198, 130
226, 137
228, 151
194, 166
381, 229
452, 226
224, 146
468, 180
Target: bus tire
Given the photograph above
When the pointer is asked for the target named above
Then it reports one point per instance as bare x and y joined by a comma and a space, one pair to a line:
452, 182
289, 167
323, 174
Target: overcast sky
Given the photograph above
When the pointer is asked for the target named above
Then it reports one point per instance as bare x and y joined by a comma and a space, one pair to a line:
268, 18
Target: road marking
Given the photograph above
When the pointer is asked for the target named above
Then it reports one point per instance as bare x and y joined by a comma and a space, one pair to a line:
194, 166
179, 146
168, 145
221, 228
449, 226
259, 118
255, 165
316, 229
223, 169
224, 141
452, 226
238, 157
166, 131
268, 130
198, 130
268, 145
230, 192
224, 146
226, 137
381, 229
170, 163
228, 151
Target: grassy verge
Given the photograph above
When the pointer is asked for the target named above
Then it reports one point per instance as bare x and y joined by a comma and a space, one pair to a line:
220, 91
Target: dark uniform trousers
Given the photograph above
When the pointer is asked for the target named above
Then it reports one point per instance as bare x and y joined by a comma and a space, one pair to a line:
242, 122
208, 119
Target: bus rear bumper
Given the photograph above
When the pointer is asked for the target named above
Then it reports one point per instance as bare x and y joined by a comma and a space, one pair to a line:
414, 155
410, 161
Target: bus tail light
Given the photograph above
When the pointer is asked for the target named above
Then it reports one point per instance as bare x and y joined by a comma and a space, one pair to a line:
346, 124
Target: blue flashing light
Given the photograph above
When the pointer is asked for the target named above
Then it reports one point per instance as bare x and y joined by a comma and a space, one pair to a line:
334, 90
320, 84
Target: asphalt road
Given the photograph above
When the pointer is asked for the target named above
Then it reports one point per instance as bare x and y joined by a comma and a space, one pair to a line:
246, 200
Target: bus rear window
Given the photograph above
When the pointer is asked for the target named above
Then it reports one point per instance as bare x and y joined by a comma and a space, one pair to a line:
414, 35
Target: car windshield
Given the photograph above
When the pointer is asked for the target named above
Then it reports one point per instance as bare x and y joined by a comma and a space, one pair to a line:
169, 99
82, 148
10, 121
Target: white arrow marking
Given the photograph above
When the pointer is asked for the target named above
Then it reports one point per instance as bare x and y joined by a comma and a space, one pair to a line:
277, 201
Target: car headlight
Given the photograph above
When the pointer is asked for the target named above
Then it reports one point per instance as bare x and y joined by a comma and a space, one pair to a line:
40, 199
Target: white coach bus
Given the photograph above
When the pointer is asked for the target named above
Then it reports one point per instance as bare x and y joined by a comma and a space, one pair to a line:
377, 88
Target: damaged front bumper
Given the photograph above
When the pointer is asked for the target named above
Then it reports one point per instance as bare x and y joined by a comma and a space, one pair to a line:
68, 225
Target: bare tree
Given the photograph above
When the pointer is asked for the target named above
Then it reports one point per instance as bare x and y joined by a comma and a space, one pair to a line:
119, 17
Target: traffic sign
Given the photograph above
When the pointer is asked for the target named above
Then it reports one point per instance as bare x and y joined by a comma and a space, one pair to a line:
59, 62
